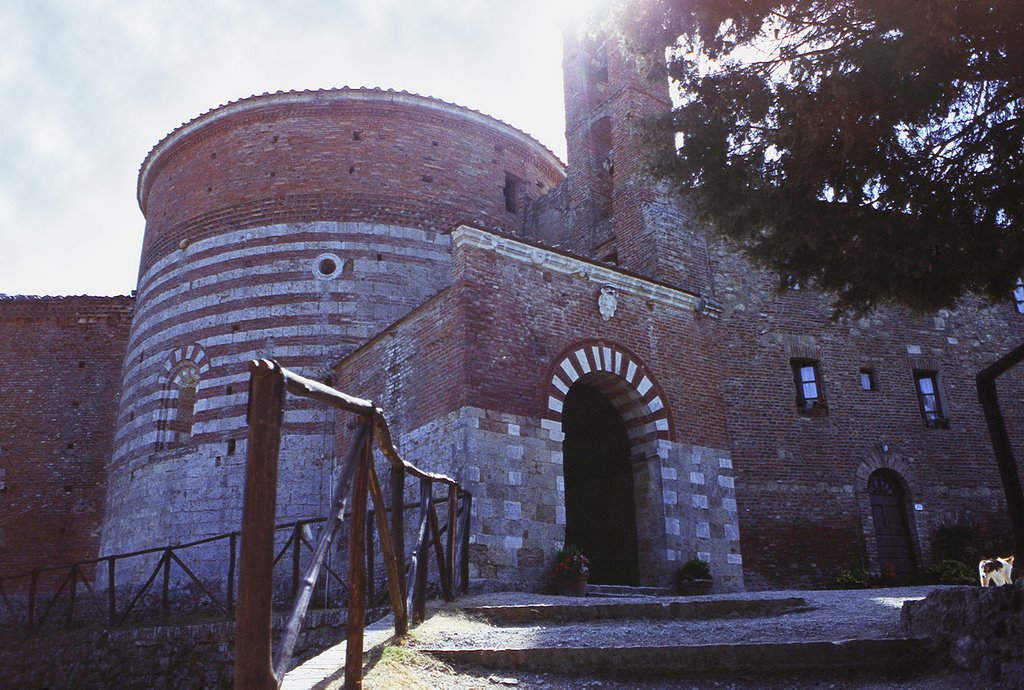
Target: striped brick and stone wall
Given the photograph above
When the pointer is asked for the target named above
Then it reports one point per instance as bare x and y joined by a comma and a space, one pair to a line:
291, 226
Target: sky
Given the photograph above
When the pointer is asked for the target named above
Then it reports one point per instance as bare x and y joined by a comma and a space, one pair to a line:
88, 87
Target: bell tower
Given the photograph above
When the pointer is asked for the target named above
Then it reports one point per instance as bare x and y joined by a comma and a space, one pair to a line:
616, 211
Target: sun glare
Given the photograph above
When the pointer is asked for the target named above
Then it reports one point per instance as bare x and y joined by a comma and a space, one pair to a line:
571, 13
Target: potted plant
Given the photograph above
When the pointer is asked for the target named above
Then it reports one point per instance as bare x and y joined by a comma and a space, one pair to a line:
852, 578
571, 572
694, 578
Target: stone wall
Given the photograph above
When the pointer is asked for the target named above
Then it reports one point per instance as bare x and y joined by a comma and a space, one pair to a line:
512, 465
975, 628
262, 292
188, 656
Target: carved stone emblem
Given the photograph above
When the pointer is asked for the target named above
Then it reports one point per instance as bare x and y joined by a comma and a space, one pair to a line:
607, 302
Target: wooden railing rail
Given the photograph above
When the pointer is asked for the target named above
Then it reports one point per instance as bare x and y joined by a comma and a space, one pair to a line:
257, 665
86, 605
40, 605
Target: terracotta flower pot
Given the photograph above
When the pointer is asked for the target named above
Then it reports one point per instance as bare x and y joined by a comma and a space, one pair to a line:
574, 587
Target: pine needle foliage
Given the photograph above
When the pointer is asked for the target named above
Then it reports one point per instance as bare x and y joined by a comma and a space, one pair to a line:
872, 148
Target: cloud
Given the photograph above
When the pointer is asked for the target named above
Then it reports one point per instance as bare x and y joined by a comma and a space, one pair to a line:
87, 88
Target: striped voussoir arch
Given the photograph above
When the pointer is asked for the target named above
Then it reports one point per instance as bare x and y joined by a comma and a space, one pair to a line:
192, 353
622, 378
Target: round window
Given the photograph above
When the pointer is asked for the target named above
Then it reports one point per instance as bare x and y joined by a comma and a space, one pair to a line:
326, 266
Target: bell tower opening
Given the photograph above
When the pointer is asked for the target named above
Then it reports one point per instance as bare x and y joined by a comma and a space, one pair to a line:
600, 514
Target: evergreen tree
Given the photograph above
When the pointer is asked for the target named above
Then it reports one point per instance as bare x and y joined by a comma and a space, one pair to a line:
872, 148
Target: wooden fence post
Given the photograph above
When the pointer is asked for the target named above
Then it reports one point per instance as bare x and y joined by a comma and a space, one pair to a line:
296, 557
442, 566
453, 520
356, 571
165, 596
371, 556
233, 546
253, 668
392, 562
419, 584
112, 591
464, 533
1003, 449
398, 539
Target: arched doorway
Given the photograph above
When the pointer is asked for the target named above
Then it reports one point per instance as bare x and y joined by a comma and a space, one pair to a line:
892, 529
600, 515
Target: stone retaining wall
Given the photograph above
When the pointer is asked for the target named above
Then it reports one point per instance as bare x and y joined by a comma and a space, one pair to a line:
980, 629
186, 656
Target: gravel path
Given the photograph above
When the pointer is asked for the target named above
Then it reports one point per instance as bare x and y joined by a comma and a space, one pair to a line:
834, 615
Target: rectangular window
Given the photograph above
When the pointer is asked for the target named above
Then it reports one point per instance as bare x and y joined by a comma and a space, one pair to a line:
810, 398
927, 384
1018, 296
867, 379
601, 65
512, 187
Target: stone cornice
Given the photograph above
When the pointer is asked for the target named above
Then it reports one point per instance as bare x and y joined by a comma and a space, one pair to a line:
567, 264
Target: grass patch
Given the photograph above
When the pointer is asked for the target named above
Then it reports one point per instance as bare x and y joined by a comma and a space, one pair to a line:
406, 668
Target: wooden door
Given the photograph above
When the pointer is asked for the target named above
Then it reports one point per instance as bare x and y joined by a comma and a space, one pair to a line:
892, 532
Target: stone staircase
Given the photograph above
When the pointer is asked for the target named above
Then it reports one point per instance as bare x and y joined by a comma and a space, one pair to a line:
753, 635
639, 636
627, 591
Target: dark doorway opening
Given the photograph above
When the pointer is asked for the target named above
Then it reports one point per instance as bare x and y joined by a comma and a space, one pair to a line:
892, 529
600, 517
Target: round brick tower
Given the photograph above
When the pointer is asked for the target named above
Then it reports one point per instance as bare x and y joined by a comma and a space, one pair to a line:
294, 226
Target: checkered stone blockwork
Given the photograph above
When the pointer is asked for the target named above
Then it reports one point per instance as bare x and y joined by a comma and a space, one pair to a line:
622, 378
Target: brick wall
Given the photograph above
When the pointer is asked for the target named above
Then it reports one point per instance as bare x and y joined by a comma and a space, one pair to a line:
58, 401
344, 154
506, 322
801, 478
615, 210
467, 382
804, 511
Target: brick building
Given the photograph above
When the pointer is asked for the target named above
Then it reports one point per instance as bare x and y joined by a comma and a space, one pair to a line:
566, 340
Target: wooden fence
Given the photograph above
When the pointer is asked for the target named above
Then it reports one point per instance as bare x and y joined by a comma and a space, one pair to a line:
259, 666
68, 596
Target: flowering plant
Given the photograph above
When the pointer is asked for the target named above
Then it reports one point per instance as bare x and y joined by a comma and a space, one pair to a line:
570, 564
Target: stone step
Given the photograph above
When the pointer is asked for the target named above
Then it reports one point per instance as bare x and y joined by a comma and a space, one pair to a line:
611, 609
857, 656
626, 591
